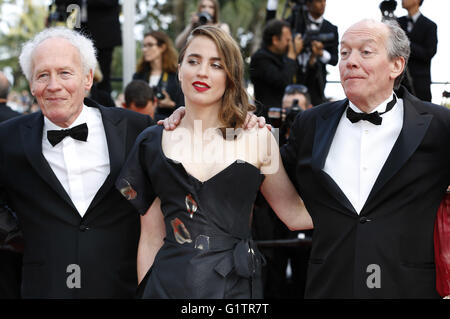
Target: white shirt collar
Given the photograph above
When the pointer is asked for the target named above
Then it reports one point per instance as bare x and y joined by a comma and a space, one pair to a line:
380, 108
416, 16
319, 20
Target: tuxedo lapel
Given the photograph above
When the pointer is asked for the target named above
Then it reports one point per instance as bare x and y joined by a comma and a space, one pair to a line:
115, 130
326, 125
415, 125
31, 133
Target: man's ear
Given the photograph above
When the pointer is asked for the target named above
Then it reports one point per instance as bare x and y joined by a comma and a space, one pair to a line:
89, 79
398, 65
275, 40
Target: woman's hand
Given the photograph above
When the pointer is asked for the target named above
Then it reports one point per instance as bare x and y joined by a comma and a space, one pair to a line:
174, 119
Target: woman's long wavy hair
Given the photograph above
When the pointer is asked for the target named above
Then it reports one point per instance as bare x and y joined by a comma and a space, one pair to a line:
169, 56
235, 101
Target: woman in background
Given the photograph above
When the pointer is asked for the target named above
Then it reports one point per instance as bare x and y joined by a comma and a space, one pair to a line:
207, 13
158, 67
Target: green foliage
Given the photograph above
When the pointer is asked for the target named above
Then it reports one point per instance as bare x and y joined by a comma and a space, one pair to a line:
28, 23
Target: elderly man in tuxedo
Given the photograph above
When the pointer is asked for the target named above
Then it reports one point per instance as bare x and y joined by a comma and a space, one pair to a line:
57, 173
372, 170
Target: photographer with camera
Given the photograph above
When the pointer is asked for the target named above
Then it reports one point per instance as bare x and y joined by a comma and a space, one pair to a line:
296, 99
273, 66
207, 13
422, 32
158, 67
320, 43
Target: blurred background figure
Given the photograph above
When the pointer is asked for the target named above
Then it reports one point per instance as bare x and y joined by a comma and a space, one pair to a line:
207, 13
284, 275
319, 44
10, 256
273, 66
100, 21
98, 95
6, 112
422, 32
158, 67
139, 97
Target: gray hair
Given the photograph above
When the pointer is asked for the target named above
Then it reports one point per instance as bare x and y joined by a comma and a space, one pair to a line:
83, 44
397, 45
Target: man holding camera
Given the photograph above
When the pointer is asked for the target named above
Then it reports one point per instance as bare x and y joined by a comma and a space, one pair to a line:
319, 43
422, 32
273, 66
320, 47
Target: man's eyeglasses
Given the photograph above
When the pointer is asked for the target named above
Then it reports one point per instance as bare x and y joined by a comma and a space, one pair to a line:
295, 88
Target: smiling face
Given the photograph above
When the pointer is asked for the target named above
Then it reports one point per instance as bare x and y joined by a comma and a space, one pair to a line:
367, 74
202, 74
58, 82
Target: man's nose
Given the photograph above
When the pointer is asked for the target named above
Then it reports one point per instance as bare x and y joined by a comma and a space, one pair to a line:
352, 60
53, 83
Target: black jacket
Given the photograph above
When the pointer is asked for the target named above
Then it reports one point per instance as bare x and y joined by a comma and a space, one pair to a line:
270, 74
394, 230
7, 113
423, 37
103, 243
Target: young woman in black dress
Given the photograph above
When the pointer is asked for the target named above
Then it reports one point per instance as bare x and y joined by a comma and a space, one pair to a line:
195, 186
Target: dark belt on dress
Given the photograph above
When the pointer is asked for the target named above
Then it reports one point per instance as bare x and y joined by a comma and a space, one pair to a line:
245, 259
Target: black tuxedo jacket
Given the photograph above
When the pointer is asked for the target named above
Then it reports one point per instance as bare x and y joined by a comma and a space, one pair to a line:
423, 37
394, 230
7, 113
103, 243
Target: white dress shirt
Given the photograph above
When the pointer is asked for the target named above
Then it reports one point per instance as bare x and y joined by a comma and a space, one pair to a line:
81, 167
414, 19
359, 151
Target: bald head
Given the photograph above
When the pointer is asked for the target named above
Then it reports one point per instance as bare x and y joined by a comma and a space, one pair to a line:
4, 86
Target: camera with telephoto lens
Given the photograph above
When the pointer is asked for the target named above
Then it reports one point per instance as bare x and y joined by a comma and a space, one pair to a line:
204, 17
283, 117
300, 23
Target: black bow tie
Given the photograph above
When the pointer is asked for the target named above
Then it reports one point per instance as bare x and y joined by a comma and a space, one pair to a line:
79, 132
374, 118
